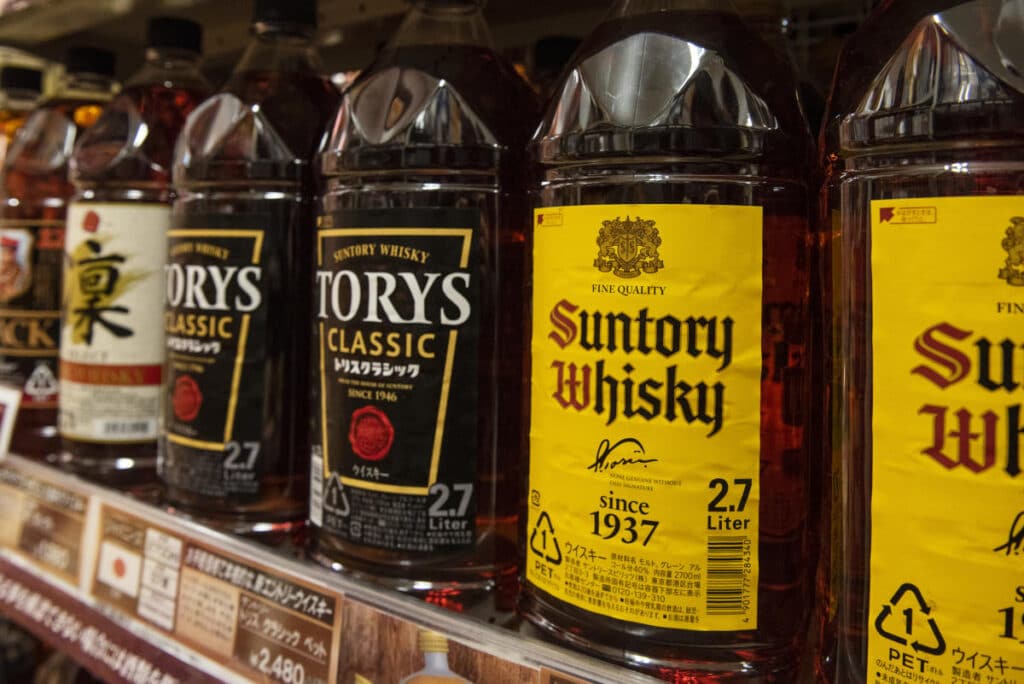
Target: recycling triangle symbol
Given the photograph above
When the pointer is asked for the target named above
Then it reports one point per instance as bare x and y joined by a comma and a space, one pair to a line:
335, 499
896, 621
543, 541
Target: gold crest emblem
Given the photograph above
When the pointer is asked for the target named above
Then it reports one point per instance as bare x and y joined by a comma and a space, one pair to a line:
1013, 270
628, 248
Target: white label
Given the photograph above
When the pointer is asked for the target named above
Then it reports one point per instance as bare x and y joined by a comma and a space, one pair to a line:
10, 398
112, 340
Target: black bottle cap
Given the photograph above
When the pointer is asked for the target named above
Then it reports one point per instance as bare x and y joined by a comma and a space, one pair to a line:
89, 60
301, 12
175, 33
21, 78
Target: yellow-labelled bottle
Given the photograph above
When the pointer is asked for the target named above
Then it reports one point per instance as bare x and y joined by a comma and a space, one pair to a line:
668, 522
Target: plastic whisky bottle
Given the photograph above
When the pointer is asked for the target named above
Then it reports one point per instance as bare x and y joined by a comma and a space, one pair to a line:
34, 193
434, 647
236, 405
923, 177
112, 345
417, 303
669, 383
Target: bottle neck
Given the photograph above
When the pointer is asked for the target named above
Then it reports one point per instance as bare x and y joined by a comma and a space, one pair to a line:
443, 22
626, 8
436, 661
280, 47
85, 85
167, 65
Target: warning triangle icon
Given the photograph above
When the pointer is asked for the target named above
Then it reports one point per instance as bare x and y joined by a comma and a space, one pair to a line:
907, 621
543, 541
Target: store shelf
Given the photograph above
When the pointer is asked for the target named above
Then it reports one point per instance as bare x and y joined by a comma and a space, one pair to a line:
130, 590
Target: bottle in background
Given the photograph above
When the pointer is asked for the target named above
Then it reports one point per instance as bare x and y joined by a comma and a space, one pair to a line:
418, 307
239, 278
924, 176
667, 522
20, 88
435, 670
33, 202
112, 344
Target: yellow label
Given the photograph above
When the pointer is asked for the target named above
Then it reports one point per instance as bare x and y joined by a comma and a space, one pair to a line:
645, 412
947, 511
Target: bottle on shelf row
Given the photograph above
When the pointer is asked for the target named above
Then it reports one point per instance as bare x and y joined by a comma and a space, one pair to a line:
239, 277
34, 192
112, 340
418, 303
922, 204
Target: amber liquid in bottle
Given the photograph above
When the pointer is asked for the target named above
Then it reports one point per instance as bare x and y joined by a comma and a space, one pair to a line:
35, 193
237, 434
123, 164
919, 110
455, 120
740, 142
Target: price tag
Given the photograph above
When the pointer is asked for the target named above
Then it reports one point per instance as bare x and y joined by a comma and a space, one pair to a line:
250, 617
10, 399
46, 525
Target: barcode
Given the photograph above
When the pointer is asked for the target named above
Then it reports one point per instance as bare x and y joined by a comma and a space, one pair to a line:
316, 488
725, 575
142, 427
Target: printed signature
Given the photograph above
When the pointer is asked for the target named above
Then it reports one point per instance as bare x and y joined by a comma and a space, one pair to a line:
604, 461
1016, 540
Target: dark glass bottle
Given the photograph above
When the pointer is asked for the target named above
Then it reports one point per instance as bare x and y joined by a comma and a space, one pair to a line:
112, 345
923, 183
35, 190
20, 88
236, 410
668, 522
417, 415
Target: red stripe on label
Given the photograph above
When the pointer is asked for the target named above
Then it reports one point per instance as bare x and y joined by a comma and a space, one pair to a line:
93, 374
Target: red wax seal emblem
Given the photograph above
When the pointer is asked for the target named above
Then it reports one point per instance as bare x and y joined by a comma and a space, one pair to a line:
91, 223
370, 433
187, 398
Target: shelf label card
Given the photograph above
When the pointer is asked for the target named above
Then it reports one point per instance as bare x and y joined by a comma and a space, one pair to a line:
254, 619
46, 522
552, 677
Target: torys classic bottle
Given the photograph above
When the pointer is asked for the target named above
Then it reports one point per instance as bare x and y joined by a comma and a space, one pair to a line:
418, 308
112, 345
667, 521
925, 176
35, 190
239, 276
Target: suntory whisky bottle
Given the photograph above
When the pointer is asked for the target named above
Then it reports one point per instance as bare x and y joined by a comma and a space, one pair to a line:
34, 191
925, 178
112, 344
667, 506
238, 278
418, 309
434, 647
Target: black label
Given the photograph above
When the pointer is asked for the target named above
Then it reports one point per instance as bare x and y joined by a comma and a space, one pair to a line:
215, 323
397, 304
31, 255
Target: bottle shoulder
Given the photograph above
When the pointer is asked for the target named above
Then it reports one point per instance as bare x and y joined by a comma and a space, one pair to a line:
677, 83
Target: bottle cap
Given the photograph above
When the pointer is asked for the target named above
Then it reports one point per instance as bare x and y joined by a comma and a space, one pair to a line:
21, 78
174, 32
302, 12
432, 642
89, 60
